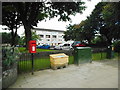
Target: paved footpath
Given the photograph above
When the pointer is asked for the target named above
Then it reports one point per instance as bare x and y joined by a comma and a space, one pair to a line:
89, 75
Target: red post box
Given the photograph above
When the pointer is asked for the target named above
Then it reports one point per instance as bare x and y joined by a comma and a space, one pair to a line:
32, 46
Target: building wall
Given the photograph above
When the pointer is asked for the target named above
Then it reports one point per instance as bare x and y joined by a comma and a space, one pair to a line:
50, 37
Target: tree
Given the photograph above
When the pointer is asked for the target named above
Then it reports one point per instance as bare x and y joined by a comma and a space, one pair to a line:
12, 20
7, 38
88, 32
111, 16
70, 33
80, 32
87, 29
32, 12
99, 40
104, 20
34, 37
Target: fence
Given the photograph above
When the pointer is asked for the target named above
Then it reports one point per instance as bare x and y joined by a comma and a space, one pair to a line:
42, 60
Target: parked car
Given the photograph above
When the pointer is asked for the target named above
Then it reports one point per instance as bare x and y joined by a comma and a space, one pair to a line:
19, 46
58, 46
64, 46
43, 46
51, 47
24, 46
78, 44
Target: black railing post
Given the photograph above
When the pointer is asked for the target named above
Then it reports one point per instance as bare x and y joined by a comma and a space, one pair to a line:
32, 56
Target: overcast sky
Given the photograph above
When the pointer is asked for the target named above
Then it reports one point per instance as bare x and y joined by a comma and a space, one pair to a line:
59, 25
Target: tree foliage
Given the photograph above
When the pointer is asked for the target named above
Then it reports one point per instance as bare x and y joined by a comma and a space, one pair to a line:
7, 38
80, 32
104, 20
32, 12
34, 37
11, 19
111, 16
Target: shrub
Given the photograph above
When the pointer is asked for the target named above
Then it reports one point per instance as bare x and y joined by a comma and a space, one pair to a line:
117, 46
9, 57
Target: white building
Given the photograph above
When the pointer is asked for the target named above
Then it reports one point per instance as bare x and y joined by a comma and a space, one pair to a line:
50, 36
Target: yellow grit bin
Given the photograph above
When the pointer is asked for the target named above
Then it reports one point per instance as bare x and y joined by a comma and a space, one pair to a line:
59, 60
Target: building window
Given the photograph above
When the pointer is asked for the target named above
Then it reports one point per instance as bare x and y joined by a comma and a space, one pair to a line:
41, 40
53, 39
48, 39
54, 36
60, 36
59, 43
47, 36
60, 39
41, 36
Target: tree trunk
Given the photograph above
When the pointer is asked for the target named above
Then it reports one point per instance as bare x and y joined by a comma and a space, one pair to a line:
89, 41
12, 38
28, 35
109, 41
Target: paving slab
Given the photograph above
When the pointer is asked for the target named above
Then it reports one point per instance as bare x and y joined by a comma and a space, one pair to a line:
89, 75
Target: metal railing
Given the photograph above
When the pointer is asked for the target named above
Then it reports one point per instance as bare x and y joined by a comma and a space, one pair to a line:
42, 59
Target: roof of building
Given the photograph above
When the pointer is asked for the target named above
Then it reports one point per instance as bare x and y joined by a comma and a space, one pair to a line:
42, 29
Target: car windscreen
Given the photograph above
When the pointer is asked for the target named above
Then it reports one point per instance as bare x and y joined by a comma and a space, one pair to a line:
76, 42
66, 45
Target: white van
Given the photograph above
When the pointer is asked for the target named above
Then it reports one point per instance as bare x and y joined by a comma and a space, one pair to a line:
64, 46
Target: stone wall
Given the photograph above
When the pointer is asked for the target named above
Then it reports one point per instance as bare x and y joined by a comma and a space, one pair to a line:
9, 76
